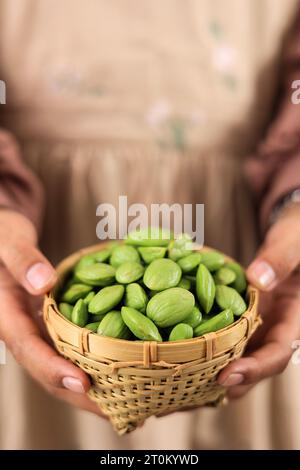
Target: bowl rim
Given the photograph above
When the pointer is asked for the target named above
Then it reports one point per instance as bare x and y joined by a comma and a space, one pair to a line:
247, 322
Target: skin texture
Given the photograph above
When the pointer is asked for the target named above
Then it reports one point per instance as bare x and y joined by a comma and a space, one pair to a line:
269, 350
268, 353
28, 342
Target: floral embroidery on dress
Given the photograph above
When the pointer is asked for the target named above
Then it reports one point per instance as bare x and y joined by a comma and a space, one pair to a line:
172, 129
67, 79
224, 56
159, 113
216, 29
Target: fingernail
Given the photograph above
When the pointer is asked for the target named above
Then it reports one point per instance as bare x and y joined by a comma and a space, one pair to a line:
73, 384
263, 273
39, 275
233, 379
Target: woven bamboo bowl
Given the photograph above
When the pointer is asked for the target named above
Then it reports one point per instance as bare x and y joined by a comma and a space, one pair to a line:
133, 380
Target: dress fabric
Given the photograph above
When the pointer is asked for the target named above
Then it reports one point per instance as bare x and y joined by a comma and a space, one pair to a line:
162, 102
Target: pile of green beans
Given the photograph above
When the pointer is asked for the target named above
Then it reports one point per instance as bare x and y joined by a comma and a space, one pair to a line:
154, 288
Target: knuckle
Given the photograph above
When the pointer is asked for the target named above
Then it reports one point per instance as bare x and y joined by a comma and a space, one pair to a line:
20, 347
46, 373
52, 375
54, 391
254, 371
55, 380
51, 390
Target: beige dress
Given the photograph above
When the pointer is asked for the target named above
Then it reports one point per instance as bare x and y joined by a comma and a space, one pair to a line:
159, 101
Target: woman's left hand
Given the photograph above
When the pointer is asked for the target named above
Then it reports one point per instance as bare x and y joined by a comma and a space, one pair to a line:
273, 271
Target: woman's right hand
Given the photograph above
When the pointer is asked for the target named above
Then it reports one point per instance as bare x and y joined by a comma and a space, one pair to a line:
23, 271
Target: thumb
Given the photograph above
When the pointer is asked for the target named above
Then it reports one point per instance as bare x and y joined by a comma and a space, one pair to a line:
279, 256
20, 255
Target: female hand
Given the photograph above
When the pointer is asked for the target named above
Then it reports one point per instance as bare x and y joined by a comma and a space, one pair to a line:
25, 270
273, 271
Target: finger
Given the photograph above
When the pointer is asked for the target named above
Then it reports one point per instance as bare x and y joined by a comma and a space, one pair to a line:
20, 255
28, 266
47, 367
279, 256
77, 400
239, 391
273, 355
21, 335
269, 360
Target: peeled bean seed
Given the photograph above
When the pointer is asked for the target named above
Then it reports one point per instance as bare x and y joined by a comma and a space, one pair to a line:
66, 310
240, 282
190, 262
180, 332
215, 323
227, 297
129, 272
98, 274
213, 260
170, 306
75, 292
224, 276
136, 297
122, 254
185, 283
205, 288
89, 297
113, 325
194, 319
96, 318
180, 247
141, 326
151, 253
162, 274
86, 260
93, 326
80, 314
151, 236
106, 299
102, 256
